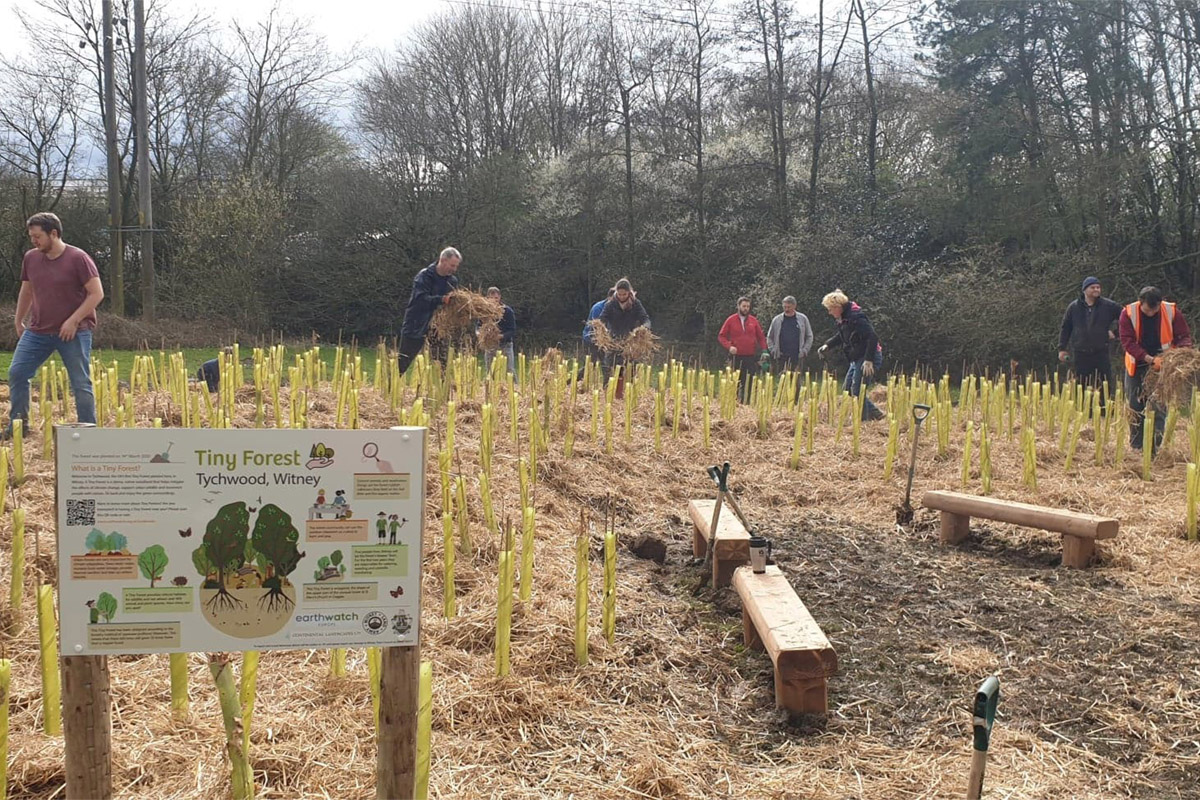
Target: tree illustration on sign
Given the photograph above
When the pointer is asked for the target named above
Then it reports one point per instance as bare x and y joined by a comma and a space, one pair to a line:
97, 541
224, 546
117, 543
275, 538
106, 606
153, 563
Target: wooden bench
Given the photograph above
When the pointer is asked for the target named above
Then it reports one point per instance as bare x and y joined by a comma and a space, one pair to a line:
775, 619
732, 546
1079, 531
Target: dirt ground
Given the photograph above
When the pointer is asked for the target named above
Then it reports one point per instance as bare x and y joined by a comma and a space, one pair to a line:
1099, 672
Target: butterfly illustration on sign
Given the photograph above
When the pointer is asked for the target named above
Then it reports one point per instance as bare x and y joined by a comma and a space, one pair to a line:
319, 456
399, 590
186, 533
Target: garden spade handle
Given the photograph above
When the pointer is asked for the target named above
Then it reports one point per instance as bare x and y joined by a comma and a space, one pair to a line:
919, 411
987, 697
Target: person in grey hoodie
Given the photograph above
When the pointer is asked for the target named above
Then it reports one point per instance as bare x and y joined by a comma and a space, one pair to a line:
789, 338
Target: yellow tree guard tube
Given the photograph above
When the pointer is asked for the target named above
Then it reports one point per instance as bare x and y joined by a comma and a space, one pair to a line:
16, 589
337, 662
4, 455
5, 682
1191, 502
48, 645
581, 599
527, 555
179, 685
247, 693
242, 780
18, 432
464, 530
449, 602
1147, 443
373, 665
424, 730
504, 612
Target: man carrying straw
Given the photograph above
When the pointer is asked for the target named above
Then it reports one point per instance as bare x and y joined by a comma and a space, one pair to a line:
1149, 328
431, 289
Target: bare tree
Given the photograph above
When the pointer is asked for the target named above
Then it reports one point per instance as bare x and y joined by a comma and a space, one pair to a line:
39, 129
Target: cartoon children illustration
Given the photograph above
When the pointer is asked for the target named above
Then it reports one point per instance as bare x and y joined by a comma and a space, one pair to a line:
339, 498
393, 528
320, 497
381, 526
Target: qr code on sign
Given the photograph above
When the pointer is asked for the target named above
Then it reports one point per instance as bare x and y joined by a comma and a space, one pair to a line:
81, 512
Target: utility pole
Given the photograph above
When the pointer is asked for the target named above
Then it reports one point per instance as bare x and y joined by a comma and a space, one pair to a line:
116, 243
145, 210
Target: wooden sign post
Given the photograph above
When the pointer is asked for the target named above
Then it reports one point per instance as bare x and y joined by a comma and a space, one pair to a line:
399, 701
87, 715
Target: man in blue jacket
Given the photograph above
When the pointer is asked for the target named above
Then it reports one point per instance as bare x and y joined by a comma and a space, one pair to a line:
431, 288
589, 344
508, 331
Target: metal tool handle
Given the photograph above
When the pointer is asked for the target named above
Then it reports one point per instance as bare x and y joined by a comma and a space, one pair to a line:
920, 411
987, 697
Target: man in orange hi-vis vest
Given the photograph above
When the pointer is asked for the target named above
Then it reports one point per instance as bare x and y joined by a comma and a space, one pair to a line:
1148, 328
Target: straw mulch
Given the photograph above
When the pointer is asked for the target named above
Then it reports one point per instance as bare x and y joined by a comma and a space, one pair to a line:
639, 345
1098, 667
489, 335
460, 313
1172, 384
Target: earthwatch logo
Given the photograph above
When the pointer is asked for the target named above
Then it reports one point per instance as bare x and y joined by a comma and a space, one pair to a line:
326, 620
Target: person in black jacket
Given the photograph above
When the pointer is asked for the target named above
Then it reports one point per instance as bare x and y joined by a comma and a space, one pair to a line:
1087, 328
621, 315
508, 331
859, 344
431, 288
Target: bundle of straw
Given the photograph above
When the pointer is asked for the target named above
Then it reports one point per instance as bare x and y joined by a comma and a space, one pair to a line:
489, 335
637, 346
640, 345
603, 338
460, 311
1180, 373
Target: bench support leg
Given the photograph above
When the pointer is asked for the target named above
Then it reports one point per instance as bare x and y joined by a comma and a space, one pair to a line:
955, 527
699, 543
801, 696
1077, 551
749, 632
723, 569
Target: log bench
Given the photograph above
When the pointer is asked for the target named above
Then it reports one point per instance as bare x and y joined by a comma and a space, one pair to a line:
732, 544
775, 619
1079, 531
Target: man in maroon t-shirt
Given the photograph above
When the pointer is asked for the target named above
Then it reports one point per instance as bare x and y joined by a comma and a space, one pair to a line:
56, 313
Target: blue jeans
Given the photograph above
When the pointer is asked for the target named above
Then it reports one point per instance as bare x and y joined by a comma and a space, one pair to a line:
854, 381
489, 355
32, 351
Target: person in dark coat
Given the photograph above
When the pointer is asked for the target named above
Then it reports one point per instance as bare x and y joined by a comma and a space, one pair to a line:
1087, 328
431, 288
621, 315
859, 344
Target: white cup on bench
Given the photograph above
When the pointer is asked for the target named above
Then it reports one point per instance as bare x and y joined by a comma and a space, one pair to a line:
760, 553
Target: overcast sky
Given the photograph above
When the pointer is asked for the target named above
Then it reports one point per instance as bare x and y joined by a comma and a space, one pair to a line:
345, 25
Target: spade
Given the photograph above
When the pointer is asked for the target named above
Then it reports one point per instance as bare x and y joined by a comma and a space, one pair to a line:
904, 512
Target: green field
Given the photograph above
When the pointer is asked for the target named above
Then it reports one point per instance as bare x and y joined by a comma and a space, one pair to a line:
193, 356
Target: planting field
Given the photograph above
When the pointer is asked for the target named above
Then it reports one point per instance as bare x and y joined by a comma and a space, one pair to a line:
1098, 667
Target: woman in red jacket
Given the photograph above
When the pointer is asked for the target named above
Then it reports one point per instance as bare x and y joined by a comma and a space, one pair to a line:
743, 337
